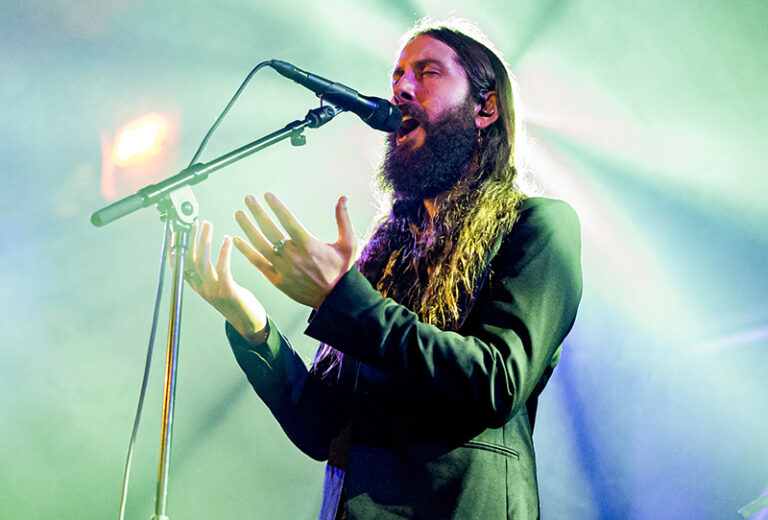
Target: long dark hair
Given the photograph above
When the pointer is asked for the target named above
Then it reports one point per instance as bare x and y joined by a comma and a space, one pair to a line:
432, 266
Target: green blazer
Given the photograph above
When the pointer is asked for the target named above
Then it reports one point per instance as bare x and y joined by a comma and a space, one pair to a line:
421, 422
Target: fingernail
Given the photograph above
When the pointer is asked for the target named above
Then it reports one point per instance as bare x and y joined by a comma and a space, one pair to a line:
344, 201
250, 199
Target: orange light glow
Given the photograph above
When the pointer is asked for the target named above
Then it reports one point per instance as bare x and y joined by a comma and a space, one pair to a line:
139, 140
138, 151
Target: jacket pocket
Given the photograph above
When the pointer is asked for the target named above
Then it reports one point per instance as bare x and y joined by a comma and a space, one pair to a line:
495, 448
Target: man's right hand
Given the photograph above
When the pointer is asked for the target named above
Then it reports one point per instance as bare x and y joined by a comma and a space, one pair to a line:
236, 303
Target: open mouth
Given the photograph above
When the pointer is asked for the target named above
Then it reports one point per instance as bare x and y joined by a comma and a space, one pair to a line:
408, 125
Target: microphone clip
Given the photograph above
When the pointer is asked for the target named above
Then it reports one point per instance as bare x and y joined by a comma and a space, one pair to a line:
317, 117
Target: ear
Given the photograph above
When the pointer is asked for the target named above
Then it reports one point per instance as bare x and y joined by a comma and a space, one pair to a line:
487, 111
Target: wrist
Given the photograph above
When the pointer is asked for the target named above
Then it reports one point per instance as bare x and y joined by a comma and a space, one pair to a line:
247, 316
254, 338
319, 301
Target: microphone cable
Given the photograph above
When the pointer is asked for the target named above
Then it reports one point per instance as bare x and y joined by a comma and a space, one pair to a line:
224, 112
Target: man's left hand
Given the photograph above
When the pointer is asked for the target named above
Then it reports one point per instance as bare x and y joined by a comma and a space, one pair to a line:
294, 261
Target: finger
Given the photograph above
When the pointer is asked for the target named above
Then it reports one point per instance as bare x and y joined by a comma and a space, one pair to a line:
189, 257
254, 235
257, 259
294, 228
268, 227
222, 265
344, 223
203, 260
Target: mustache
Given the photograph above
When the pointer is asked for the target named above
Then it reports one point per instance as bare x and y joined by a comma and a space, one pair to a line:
416, 112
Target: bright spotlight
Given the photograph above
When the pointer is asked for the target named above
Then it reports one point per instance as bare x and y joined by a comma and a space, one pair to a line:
139, 140
141, 151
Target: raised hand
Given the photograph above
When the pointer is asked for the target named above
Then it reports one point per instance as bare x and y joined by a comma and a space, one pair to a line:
294, 261
236, 303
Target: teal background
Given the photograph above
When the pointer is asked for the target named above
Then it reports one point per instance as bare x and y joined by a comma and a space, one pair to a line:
648, 117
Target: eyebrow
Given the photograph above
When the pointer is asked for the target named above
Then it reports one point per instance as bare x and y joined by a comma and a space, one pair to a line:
420, 64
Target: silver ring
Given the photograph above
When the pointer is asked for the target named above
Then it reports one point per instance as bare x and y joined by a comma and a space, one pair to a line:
278, 247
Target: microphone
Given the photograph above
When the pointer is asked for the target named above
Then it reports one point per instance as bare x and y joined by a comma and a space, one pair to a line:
377, 113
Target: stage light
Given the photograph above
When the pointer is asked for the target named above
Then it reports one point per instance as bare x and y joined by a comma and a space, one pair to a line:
138, 152
139, 140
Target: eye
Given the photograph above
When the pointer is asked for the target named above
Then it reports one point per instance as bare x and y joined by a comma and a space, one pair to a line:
430, 73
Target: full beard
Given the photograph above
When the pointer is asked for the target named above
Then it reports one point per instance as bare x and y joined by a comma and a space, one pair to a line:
440, 162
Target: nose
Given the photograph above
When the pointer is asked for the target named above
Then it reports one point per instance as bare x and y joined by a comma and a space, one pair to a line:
403, 89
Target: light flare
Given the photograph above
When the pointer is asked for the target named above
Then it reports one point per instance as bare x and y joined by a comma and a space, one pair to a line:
140, 140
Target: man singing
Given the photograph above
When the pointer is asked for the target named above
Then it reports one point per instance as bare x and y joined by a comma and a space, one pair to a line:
438, 339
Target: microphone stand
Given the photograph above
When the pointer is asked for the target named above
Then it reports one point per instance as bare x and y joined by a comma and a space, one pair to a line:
181, 223
179, 209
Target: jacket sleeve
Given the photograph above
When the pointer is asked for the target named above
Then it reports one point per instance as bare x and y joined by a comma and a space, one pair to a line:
520, 319
310, 411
